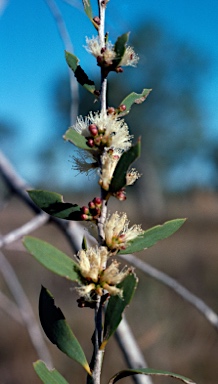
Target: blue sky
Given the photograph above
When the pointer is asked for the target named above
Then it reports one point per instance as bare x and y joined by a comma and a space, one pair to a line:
32, 55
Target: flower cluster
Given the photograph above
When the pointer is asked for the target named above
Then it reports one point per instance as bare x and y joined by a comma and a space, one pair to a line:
106, 55
117, 232
103, 130
96, 276
93, 211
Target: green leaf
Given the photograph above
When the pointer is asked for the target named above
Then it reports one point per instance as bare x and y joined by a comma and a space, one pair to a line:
150, 372
119, 177
79, 73
53, 204
120, 47
147, 371
88, 9
153, 235
77, 139
48, 376
133, 98
116, 306
51, 258
58, 331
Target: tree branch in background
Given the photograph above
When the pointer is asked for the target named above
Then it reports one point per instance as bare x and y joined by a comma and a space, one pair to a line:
163, 278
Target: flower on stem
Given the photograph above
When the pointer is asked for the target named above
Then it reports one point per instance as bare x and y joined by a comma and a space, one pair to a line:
130, 58
117, 231
103, 130
105, 55
132, 176
109, 160
95, 276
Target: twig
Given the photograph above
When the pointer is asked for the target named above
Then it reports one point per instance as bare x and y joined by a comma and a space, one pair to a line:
25, 310
10, 308
131, 351
162, 277
29, 227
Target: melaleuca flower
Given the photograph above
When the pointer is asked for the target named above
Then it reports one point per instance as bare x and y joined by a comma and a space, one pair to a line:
109, 160
112, 276
117, 231
103, 54
84, 162
103, 130
130, 58
132, 176
95, 276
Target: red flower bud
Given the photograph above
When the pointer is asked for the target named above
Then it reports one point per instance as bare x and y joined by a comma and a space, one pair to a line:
93, 129
90, 142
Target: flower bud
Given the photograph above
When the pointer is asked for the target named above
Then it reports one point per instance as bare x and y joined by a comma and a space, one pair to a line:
97, 20
97, 201
122, 107
91, 205
93, 129
111, 110
85, 210
90, 142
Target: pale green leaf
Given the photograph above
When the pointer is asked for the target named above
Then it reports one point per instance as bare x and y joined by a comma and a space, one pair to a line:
149, 372
153, 235
48, 376
77, 139
133, 98
51, 258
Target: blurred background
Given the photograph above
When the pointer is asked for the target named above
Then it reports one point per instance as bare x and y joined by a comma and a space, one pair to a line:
177, 44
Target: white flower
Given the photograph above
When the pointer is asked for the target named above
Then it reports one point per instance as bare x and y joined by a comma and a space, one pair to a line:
118, 233
109, 160
96, 277
132, 176
106, 53
112, 276
102, 130
92, 262
130, 58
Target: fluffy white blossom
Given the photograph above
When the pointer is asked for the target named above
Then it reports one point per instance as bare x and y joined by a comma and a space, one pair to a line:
94, 47
130, 58
110, 131
96, 277
107, 53
109, 160
118, 233
132, 176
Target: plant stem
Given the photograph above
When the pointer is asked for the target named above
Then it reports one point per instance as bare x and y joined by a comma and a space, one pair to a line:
98, 334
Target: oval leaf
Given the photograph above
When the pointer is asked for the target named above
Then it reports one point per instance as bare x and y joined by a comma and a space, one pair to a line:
51, 258
77, 139
58, 331
119, 48
79, 73
53, 204
116, 306
133, 98
153, 235
146, 371
119, 177
48, 376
